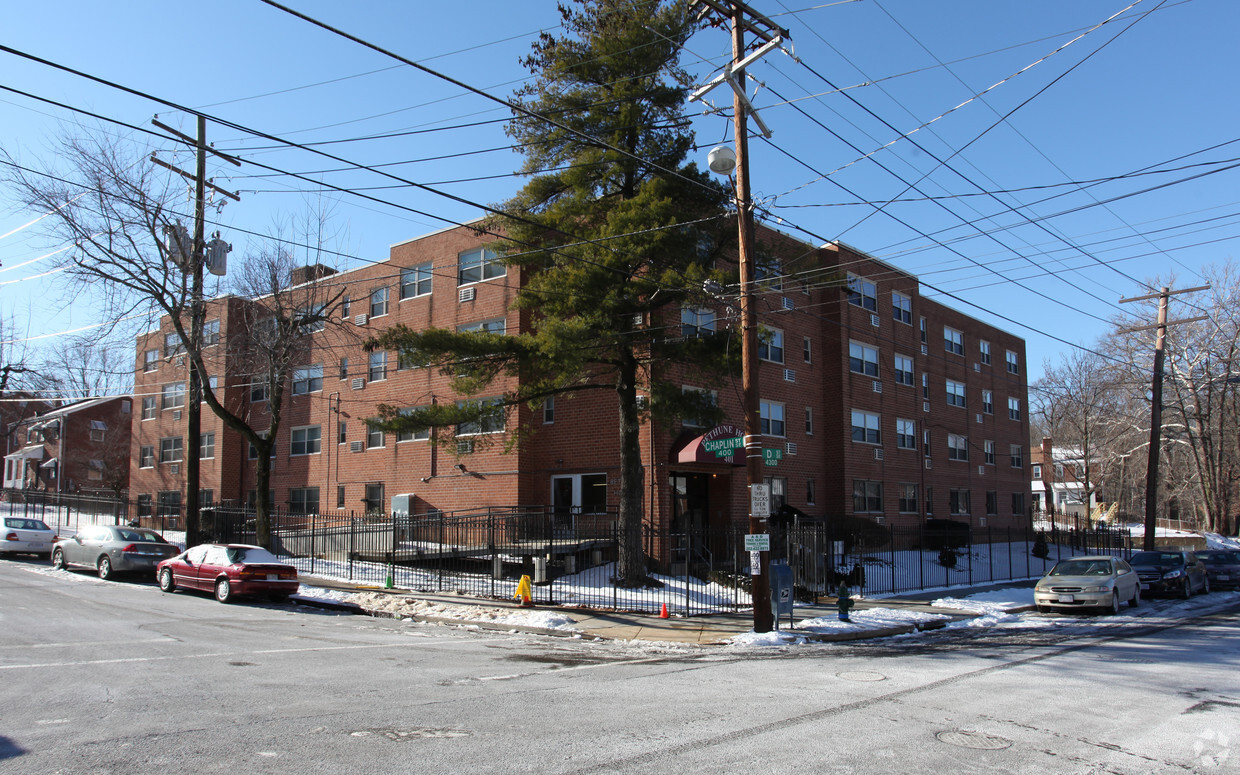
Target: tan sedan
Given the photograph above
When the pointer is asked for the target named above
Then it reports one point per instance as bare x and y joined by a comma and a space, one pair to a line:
1088, 582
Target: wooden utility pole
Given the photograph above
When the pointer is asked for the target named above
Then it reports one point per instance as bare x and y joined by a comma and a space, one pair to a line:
1156, 390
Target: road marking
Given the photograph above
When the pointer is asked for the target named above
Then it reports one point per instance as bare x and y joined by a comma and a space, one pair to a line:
92, 644
209, 655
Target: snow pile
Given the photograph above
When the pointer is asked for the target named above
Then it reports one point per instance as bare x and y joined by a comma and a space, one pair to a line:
322, 593
466, 614
992, 608
861, 620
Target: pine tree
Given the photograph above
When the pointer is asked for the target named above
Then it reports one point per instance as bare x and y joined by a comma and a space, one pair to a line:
614, 233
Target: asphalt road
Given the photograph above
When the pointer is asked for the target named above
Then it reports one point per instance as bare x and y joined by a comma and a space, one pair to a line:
120, 678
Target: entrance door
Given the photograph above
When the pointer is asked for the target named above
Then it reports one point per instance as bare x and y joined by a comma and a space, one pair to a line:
690, 517
573, 495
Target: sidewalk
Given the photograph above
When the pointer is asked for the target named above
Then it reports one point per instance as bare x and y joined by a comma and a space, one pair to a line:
871, 618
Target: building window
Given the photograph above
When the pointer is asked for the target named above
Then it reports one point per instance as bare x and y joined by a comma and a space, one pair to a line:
958, 502
1013, 362
421, 435
210, 333
806, 349
908, 499
169, 503
254, 449
144, 505
809, 421
957, 447
173, 396
258, 390
779, 490
378, 366
415, 281
771, 345
378, 302
308, 379
696, 321
150, 361
901, 308
342, 432
146, 457
148, 407
925, 442
925, 386
1036, 470
988, 402
953, 340
344, 368
988, 448
865, 427
992, 503
306, 440
1013, 408
955, 394
904, 370
375, 438
1018, 504
170, 450
906, 434
492, 421
811, 493
340, 496
867, 496
771, 415
303, 500
173, 345
923, 330
862, 359
862, 293
476, 265
548, 408
1018, 456
206, 445
984, 351
373, 501
710, 396
929, 501
345, 306
494, 326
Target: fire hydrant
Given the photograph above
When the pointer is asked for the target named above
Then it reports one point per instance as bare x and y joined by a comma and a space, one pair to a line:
844, 601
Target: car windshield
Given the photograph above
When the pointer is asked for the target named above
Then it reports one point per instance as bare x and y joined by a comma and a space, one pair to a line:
250, 554
1082, 568
1219, 558
25, 524
140, 536
1157, 558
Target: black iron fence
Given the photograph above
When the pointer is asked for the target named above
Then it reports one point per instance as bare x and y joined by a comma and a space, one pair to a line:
65, 512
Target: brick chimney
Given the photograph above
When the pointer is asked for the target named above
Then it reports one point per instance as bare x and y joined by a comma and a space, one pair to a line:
306, 274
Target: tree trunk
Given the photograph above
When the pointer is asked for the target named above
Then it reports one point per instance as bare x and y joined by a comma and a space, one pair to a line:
262, 495
631, 570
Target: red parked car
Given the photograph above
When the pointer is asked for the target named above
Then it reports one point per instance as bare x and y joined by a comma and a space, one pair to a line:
228, 570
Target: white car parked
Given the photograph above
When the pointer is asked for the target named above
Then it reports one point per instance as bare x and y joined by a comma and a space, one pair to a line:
23, 535
1088, 582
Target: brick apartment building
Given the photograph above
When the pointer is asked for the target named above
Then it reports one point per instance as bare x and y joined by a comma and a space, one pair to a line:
82, 447
883, 403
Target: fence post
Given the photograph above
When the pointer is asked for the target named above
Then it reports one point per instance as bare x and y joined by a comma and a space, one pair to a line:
313, 535
352, 525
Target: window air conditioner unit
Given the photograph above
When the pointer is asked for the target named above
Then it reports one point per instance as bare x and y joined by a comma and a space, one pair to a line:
358, 383
878, 454
925, 406
464, 446
361, 320
790, 448
977, 367
175, 468
874, 321
467, 294
176, 415
787, 303
925, 350
790, 375
981, 470
877, 386
929, 463
357, 446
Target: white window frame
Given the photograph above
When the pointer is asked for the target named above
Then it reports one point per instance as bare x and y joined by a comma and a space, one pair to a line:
418, 278
904, 376
206, 445
957, 447
496, 424
1013, 362
956, 394
305, 440
988, 402
862, 293
953, 340
902, 307
983, 349
172, 396
771, 345
376, 366
478, 265
1013, 408
906, 434
869, 425
404, 436
772, 418
696, 321
379, 302
308, 379
864, 354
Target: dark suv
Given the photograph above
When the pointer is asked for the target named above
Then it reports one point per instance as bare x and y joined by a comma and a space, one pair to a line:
1170, 572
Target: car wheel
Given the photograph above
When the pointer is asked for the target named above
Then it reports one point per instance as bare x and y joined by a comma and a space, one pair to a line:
58, 559
223, 591
166, 580
1136, 597
1205, 585
1187, 590
1114, 607
1043, 609
105, 568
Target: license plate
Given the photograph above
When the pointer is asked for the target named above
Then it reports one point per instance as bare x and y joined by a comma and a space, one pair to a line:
40, 547
1066, 599
1145, 587
1223, 577
273, 577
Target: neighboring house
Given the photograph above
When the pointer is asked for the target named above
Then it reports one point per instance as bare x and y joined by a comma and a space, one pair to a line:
82, 447
1058, 485
883, 404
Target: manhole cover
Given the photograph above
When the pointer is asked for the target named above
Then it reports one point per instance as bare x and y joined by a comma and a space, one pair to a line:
861, 675
977, 740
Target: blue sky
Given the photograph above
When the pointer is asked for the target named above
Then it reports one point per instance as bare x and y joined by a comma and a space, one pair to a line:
1037, 206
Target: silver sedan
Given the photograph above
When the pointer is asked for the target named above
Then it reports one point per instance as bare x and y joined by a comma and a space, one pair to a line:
111, 549
1088, 582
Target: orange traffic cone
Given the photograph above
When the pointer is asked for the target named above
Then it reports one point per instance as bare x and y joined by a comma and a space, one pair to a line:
663, 611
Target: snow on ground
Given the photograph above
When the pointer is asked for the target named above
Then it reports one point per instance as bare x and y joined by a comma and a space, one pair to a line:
466, 614
860, 620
